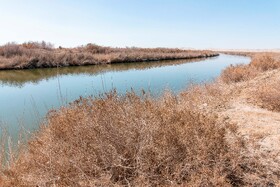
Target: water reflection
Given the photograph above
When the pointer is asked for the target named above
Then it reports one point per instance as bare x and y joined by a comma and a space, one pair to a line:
20, 77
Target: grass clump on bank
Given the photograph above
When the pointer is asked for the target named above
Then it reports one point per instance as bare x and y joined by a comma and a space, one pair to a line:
42, 55
261, 62
265, 62
238, 73
132, 141
269, 96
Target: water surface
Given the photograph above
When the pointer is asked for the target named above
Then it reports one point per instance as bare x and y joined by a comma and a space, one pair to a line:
27, 95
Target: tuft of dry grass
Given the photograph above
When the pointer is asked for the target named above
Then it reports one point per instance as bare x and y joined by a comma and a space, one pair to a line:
265, 62
269, 96
238, 73
133, 141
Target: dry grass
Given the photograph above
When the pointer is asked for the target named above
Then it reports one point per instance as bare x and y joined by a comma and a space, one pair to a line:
238, 73
134, 141
142, 141
265, 62
269, 96
41, 55
260, 62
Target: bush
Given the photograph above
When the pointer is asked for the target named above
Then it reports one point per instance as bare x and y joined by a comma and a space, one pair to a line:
11, 49
265, 62
238, 73
269, 96
38, 45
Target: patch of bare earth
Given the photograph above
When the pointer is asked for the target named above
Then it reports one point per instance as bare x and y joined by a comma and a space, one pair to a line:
258, 125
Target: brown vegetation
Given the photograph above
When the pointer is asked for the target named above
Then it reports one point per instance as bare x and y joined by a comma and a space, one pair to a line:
265, 62
260, 62
133, 141
238, 73
190, 140
269, 96
41, 55
252, 107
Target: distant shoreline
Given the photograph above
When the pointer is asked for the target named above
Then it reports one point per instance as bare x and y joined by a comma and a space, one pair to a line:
35, 55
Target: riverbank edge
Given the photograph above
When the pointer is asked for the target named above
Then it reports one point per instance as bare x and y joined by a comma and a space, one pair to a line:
32, 66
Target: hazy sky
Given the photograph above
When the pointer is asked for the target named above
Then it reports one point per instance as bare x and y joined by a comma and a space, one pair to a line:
143, 23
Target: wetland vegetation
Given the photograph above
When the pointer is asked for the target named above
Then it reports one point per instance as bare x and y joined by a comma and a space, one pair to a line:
192, 138
43, 55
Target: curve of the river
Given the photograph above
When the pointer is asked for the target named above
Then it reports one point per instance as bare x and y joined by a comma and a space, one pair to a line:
27, 95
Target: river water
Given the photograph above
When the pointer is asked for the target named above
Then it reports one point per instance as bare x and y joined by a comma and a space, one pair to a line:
27, 95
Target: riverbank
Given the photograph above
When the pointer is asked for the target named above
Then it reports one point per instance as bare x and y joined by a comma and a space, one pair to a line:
224, 133
41, 55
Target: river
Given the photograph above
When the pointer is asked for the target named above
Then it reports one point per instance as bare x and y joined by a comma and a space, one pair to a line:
27, 95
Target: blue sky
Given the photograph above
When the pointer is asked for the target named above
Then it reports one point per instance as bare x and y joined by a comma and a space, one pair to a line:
238, 24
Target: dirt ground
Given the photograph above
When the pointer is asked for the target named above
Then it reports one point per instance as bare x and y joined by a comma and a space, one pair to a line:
259, 126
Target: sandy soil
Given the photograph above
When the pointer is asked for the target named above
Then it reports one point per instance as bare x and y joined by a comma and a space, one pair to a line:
259, 126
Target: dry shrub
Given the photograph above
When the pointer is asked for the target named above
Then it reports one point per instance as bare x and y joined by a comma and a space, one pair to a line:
265, 62
269, 96
238, 73
206, 98
131, 141
10, 49
38, 45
